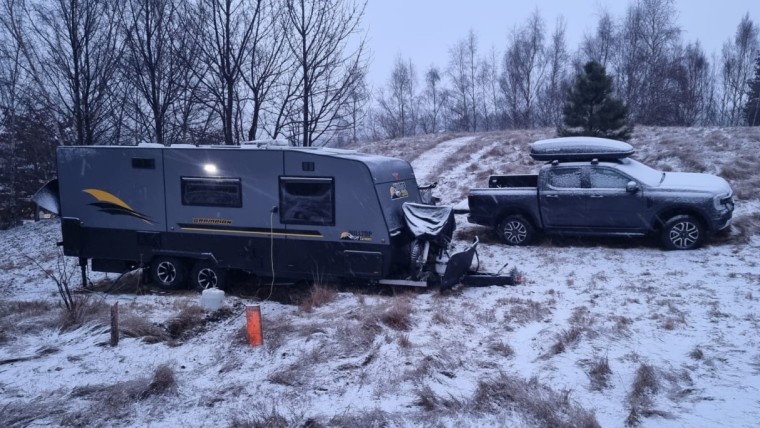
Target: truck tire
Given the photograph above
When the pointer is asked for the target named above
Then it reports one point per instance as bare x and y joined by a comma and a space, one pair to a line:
515, 230
168, 273
683, 232
206, 275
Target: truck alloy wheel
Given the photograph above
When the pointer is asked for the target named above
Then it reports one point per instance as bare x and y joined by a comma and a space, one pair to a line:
682, 232
206, 275
168, 272
515, 230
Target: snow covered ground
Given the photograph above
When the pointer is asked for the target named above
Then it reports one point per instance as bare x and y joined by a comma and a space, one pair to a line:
604, 332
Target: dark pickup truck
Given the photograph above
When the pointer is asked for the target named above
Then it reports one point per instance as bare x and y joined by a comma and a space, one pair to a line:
589, 186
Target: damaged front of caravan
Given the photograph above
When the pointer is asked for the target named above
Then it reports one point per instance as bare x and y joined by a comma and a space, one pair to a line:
193, 213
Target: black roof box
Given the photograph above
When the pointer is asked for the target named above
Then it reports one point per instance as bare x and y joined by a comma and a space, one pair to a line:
579, 149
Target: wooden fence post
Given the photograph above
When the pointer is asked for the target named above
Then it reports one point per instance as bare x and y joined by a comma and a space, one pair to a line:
115, 324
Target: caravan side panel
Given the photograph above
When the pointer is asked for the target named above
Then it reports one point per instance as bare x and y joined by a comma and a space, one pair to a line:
220, 201
108, 196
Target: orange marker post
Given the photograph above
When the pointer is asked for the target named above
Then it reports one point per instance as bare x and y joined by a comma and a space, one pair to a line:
253, 325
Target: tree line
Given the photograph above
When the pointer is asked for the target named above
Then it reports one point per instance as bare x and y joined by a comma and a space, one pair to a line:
663, 80
81, 72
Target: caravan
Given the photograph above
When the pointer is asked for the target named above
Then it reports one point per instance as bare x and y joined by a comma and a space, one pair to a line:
193, 214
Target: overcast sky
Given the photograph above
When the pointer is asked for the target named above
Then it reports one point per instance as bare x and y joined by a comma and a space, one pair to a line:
424, 30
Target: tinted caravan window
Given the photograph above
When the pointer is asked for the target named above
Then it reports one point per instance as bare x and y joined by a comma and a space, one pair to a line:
212, 192
306, 200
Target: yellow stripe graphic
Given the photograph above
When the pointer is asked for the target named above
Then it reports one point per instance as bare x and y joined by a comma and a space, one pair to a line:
107, 197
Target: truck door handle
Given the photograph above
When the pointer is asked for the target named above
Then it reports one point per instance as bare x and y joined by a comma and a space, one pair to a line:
597, 196
552, 196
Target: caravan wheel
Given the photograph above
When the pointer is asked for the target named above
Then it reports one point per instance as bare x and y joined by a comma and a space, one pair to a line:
207, 275
168, 272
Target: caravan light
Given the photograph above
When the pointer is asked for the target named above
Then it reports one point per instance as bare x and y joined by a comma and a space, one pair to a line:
210, 168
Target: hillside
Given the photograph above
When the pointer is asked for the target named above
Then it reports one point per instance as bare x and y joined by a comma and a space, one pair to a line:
603, 332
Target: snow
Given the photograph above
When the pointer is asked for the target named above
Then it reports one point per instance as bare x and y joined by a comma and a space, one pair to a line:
691, 316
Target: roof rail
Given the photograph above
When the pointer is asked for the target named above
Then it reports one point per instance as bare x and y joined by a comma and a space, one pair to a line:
265, 144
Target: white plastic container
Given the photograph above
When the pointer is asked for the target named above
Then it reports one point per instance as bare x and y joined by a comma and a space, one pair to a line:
212, 299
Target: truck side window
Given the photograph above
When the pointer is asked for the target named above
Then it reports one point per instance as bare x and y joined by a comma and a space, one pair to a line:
565, 178
212, 192
605, 178
307, 200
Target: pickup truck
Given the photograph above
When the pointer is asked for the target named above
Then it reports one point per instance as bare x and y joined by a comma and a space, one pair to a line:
589, 186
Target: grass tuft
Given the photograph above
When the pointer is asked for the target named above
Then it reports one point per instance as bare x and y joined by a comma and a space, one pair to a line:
540, 404
319, 295
599, 374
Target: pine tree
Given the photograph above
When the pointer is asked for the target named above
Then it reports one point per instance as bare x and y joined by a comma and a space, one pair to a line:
752, 108
590, 108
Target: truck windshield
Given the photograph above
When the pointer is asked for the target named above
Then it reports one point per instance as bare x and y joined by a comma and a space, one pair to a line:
639, 171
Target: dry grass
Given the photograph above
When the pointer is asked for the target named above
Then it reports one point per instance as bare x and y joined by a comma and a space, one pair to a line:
398, 314
432, 402
20, 414
745, 227
189, 318
111, 403
524, 311
502, 349
84, 310
645, 386
539, 404
440, 363
271, 418
697, 353
566, 339
139, 327
319, 295
18, 318
294, 375
599, 374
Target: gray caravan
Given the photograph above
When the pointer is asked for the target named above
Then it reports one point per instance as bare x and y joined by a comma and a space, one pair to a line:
194, 213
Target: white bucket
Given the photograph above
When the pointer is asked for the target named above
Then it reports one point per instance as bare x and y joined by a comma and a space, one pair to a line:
212, 299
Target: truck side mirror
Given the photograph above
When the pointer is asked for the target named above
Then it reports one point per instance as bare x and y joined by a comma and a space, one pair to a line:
632, 187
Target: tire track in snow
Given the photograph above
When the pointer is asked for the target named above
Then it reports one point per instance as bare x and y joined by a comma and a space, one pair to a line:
425, 164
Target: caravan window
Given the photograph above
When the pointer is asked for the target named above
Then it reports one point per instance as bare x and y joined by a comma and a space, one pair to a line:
306, 200
212, 192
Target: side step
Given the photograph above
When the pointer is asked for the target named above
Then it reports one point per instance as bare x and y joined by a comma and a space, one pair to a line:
403, 283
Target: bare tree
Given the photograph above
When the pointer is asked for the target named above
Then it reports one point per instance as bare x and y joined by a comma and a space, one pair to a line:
695, 86
460, 72
650, 38
738, 58
356, 107
225, 30
431, 106
154, 67
398, 111
524, 71
602, 46
552, 95
267, 63
81, 55
318, 39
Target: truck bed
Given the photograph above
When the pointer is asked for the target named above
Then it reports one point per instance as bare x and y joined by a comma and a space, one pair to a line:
501, 181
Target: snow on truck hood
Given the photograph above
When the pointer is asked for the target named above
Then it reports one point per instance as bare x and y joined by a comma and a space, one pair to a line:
694, 181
